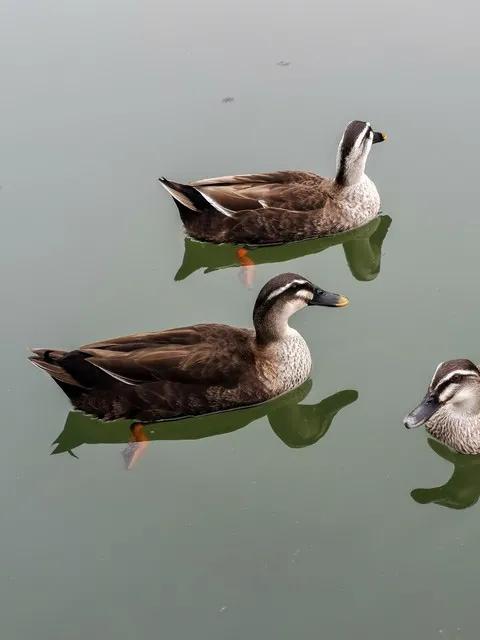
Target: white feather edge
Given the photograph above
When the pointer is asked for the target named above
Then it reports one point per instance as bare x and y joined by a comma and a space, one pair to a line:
114, 375
179, 196
215, 205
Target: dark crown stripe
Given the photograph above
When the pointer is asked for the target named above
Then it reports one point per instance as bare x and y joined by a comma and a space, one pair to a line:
448, 368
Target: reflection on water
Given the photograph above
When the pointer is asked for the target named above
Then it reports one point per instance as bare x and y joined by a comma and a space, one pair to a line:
462, 489
362, 247
297, 425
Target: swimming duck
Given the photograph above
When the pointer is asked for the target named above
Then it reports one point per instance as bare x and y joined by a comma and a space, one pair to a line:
284, 206
450, 410
193, 370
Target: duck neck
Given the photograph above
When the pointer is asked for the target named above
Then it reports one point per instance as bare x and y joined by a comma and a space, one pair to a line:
272, 325
350, 171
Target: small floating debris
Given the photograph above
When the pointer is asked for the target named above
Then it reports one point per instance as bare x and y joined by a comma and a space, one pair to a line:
283, 63
228, 99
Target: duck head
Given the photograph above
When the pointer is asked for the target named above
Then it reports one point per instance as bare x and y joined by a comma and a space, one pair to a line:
455, 388
353, 151
281, 297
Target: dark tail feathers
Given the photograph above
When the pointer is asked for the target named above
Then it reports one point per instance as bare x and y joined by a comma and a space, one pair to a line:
186, 195
48, 360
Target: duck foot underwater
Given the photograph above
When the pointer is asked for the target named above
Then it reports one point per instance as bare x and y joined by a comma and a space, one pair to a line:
247, 269
137, 446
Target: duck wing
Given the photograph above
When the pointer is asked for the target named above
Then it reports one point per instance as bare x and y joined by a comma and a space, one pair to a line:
207, 354
292, 190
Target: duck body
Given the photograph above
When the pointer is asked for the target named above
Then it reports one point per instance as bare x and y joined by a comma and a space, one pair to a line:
284, 206
450, 409
191, 370
309, 207
186, 371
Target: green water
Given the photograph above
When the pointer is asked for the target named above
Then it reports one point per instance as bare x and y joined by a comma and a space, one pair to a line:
317, 515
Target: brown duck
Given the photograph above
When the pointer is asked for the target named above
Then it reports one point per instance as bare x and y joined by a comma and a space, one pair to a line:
273, 208
193, 370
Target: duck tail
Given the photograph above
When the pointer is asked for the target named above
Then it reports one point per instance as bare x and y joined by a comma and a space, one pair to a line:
192, 199
49, 360
48, 355
186, 195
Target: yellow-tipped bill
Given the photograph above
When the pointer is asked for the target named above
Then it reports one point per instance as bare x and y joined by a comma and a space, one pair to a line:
342, 301
327, 299
379, 136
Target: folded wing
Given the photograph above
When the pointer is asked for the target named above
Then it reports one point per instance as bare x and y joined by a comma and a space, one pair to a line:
293, 190
201, 354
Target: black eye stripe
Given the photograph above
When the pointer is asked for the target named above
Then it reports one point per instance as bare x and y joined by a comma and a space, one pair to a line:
298, 287
367, 133
458, 379
441, 387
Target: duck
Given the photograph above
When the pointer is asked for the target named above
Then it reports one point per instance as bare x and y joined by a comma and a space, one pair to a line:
195, 369
283, 206
450, 409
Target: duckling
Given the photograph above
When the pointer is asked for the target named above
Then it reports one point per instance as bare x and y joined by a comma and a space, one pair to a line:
450, 410
284, 206
196, 369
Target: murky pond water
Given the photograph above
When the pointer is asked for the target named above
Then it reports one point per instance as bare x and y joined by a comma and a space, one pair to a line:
317, 515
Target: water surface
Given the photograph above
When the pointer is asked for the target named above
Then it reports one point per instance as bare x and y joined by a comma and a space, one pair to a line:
237, 535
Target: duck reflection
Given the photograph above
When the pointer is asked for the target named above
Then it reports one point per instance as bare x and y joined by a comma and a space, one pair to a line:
297, 425
362, 247
462, 489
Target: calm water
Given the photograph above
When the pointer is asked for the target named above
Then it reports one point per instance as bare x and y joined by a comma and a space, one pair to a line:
317, 516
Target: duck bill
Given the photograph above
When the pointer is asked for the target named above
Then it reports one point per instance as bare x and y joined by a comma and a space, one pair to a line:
326, 299
421, 414
378, 136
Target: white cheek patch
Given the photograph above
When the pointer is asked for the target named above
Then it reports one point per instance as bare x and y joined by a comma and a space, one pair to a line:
447, 394
457, 394
305, 295
464, 395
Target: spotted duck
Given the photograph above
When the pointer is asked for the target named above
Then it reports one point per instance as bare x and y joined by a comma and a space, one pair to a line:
450, 410
284, 206
193, 370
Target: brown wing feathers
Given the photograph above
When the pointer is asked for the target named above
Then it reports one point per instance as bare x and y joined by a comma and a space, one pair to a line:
249, 192
203, 354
